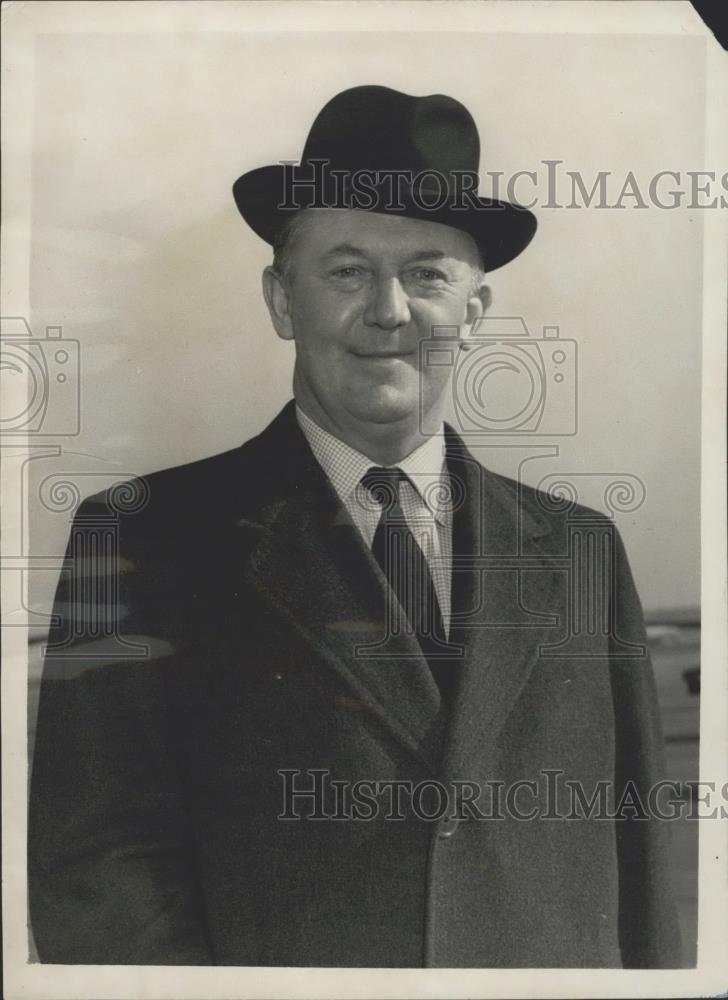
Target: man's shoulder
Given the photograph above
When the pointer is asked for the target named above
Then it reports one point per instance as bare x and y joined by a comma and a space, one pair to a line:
193, 488
547, 509
553, 505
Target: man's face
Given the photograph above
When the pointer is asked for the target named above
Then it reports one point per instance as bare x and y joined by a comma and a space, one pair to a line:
364, 290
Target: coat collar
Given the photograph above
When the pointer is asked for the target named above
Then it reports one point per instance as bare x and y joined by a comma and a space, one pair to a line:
309, 562
345, 466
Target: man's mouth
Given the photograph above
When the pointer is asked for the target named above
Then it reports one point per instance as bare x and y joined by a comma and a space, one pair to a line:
382, 355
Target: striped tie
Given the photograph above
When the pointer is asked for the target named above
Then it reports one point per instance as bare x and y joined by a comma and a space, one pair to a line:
405, 567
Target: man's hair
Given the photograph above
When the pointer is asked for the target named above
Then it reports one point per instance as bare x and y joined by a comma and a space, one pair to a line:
283, 243
285, 240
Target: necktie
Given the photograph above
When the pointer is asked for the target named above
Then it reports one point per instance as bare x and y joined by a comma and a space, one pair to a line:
405, 567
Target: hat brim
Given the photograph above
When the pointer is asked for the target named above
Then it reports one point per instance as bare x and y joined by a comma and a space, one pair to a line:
500, 229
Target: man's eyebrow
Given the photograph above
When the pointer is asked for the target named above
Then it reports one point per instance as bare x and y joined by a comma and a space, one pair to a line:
428, 255
349, 250
345, 248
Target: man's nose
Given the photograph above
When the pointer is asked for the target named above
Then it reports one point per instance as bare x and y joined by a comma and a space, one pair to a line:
388, 306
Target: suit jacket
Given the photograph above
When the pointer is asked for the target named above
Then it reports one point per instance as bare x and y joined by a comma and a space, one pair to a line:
249, 640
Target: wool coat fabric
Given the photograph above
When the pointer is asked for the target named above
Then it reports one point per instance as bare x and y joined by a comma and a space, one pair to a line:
220, 640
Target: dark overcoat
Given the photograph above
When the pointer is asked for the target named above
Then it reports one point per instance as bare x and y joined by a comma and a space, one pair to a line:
221, 641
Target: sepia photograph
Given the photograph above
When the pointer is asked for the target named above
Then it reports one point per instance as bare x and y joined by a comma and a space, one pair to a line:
363, 524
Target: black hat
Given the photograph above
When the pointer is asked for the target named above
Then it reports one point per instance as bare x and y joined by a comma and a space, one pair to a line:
380, 150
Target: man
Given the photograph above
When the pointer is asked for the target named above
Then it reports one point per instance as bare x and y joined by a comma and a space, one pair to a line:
340, 620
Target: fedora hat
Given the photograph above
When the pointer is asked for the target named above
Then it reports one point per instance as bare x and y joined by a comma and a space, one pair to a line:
377, 149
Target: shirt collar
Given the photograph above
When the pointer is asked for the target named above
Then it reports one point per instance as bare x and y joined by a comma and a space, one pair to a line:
345, 466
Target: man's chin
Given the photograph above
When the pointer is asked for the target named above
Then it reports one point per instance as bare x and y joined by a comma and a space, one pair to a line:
389, 409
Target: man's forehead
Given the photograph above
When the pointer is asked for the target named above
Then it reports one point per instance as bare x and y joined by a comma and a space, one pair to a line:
357, 232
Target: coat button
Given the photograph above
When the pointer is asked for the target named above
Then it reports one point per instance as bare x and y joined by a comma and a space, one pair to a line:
447, 827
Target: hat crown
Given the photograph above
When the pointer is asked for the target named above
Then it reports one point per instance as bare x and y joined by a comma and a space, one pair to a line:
377, 128
358, 140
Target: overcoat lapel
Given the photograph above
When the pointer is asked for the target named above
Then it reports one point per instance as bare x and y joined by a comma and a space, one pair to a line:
496, 552
311, 564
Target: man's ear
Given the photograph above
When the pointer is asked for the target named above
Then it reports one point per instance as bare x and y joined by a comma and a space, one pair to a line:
278, 301
476, 307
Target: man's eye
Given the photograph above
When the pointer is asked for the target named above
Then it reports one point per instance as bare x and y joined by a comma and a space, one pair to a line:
346, 272
429, 275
